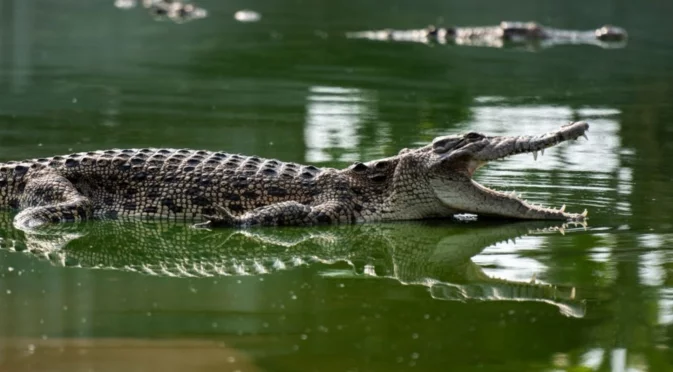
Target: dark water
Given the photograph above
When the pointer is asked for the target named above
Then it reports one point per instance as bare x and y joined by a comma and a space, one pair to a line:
127, 295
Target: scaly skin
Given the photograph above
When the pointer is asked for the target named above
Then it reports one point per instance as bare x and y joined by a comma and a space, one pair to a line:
223, 189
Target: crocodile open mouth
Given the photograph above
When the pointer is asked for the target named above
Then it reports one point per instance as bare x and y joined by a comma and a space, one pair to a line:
477, 150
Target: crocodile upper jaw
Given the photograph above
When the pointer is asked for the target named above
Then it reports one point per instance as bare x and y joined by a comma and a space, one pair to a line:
465, 154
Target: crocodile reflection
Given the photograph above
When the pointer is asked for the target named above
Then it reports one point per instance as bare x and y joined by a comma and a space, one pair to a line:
431, 254
520, 35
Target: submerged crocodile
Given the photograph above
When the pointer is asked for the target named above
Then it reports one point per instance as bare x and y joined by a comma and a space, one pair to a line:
506, 34
232, 190
176, 11
421, 254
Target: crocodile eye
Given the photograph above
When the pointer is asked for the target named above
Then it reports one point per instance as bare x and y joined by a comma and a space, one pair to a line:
441, 145
474, 136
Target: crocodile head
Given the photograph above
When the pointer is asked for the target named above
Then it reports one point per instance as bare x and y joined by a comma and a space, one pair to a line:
611, 33
454, 159
521, 31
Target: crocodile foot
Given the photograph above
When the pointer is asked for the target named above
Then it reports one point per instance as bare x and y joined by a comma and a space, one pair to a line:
223, 218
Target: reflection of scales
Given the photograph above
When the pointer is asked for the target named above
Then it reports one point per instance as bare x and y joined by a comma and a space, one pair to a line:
438, 256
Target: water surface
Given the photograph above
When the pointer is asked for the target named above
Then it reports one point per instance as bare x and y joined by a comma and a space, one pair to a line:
112, 295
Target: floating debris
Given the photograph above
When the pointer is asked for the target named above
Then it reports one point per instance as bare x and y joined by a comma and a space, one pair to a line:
125, 4
247, 15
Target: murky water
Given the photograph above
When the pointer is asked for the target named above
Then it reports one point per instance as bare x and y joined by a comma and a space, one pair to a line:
441, 295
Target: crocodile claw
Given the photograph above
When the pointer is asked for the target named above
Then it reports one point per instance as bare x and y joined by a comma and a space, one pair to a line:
223, 218
202, 225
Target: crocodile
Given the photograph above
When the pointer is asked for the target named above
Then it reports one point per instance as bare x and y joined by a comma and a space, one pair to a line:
506, 34
424, 254
221, 189
173, 10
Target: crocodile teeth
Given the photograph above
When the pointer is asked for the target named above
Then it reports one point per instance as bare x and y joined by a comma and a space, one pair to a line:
585, 213
542, 151
585, 136
562, 230
534, 155
572, 294
563, 208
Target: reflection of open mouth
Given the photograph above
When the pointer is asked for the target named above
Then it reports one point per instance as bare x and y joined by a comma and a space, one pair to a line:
474, 150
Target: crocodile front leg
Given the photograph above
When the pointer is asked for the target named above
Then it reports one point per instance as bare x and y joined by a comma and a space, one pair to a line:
283, 214
50, 198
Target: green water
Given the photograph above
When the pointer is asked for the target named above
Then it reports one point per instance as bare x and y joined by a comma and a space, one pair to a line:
137, 296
